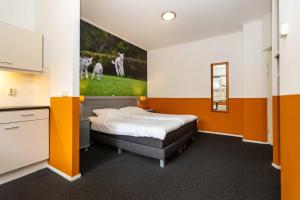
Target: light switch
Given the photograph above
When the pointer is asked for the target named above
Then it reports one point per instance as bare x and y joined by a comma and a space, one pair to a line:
12, 92
284, 30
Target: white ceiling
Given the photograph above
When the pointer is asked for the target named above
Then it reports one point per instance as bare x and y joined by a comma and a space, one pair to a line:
139, 21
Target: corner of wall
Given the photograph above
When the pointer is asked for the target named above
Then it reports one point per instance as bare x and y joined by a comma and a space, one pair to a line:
64, 134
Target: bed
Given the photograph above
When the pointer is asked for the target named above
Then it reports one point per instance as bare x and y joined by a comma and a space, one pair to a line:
156, 145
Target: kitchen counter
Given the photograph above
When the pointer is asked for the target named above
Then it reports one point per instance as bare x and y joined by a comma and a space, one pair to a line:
29, 107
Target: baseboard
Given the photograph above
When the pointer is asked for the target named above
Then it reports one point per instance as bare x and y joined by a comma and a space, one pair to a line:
276, 166
69, 178
254, 141
219, 133
234, 135
10, 176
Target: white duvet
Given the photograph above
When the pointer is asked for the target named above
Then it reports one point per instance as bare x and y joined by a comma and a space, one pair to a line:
141, 113
117, 122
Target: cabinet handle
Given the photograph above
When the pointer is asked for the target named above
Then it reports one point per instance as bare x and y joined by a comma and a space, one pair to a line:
13, 127
27, 115
8, 63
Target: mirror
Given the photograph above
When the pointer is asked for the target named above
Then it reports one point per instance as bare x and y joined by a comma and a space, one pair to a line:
219, 87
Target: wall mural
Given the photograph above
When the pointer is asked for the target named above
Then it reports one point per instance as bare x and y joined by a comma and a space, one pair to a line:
110, 66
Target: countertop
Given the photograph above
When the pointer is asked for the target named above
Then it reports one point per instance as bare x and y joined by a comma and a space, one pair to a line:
29, 107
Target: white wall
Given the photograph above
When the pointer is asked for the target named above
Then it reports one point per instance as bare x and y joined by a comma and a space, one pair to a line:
290, 48
275, 47
22, 14
24, 85
183, 71
59, 21
254, 61
267, 32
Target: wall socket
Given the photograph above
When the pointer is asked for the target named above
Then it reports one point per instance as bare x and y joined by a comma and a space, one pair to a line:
12, 92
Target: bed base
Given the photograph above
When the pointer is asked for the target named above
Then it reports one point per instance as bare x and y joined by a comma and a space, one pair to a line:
162, 163
148, 151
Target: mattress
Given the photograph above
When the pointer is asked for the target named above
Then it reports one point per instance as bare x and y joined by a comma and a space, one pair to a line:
141, 113
152, 142
115, 122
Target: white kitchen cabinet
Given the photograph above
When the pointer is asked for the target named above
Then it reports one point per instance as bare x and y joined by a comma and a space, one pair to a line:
20, 48
23, 115
23, 142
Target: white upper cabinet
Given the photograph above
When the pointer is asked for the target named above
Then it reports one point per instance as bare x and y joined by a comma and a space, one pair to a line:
20, 48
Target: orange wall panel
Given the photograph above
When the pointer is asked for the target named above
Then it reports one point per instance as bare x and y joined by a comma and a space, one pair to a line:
64, 134
255, 119
290, 147
276, 139
230, 122
246, 116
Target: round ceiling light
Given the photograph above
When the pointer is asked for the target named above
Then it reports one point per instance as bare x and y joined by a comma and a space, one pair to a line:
168, 15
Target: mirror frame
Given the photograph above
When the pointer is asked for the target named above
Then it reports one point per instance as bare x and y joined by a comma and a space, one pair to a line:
227, 86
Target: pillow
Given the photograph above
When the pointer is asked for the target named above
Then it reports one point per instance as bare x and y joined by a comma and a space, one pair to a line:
99, 112
133, 110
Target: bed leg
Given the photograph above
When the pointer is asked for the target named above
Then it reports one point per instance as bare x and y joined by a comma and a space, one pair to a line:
193, 138
180, 150
119, 151
162, 163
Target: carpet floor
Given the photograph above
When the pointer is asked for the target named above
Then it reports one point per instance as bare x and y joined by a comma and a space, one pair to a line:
211, 168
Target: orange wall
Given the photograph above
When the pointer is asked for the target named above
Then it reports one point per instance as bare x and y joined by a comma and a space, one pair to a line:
64, 134
231, 122
276, 139
255, 119
290, 146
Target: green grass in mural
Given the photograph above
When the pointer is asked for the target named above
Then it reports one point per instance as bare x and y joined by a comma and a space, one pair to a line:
112, 85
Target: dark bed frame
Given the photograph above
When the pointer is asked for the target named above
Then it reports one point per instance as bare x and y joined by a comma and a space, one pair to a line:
150, 147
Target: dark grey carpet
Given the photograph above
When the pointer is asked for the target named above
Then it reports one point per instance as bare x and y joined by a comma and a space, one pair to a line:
213, 167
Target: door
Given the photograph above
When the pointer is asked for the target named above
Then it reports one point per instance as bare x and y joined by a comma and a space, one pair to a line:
270, 97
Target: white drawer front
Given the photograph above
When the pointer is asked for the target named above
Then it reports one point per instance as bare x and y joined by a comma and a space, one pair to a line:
23, 143
23, 115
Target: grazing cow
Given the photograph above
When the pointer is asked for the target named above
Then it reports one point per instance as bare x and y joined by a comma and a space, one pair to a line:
98, 70
84, 64
119, 64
